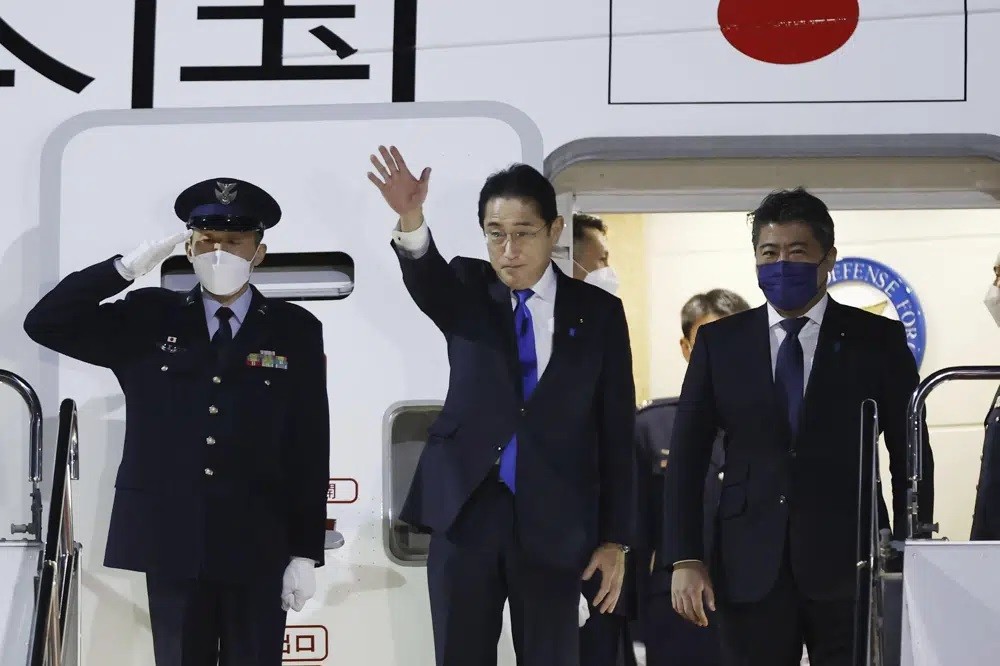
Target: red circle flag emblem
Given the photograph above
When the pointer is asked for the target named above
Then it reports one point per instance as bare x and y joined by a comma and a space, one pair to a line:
787, 32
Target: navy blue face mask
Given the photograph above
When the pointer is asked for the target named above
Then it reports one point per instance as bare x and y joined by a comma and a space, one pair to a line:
788, 285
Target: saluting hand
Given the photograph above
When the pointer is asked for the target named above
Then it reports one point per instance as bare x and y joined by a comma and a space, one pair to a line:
149, 254
609, 559
404, 193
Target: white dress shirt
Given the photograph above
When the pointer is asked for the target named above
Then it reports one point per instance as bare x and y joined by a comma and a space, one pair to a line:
808, 336
541, 305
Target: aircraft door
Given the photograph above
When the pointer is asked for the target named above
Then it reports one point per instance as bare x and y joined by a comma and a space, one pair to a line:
109, 180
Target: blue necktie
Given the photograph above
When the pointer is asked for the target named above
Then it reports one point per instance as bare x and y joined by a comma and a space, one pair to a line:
529, 376
789, 371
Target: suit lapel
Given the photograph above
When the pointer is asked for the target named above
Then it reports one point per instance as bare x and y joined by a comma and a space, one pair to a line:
192, 330
566, 320
503, 311
825, 360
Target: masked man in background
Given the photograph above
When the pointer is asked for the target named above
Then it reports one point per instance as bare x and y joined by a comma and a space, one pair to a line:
590, 253
221, 493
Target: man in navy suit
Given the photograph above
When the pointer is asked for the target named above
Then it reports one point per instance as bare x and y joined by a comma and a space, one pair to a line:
786, 381
526, 480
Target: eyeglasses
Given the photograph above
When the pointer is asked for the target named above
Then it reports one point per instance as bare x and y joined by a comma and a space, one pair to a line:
495, 237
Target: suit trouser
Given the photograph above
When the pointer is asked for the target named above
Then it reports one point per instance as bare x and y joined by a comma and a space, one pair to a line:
771, 632
673, 641
475, 567
204, 623
605, 640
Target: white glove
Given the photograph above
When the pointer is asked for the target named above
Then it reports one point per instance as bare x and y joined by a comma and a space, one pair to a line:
584, 611
148, 256
298, 585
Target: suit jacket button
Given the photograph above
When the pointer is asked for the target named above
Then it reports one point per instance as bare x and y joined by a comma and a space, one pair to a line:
781, 499
210, 440
216, 380
164, 368
792, 453
213, 410
267, 382
208, 472
523, 410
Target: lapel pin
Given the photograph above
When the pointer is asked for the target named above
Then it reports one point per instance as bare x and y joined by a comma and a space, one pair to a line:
171, 338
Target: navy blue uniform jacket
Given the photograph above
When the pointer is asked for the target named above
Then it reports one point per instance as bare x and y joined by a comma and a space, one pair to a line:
575, 461
225, 465
777, 489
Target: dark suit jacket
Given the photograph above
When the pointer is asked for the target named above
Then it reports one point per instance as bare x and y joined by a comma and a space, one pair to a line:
575, 462
654, 426
267, 444
777, 489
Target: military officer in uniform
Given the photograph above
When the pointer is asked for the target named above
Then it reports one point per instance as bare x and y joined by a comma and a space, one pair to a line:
669, 640
221, 494
986, 519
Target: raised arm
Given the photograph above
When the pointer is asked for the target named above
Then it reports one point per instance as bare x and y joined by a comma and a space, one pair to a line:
431, 282
71, 320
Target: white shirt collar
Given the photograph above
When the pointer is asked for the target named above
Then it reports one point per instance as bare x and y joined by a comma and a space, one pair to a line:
545, 288
814, 314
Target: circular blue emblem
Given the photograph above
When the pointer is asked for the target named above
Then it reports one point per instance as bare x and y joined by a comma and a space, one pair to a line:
897, 290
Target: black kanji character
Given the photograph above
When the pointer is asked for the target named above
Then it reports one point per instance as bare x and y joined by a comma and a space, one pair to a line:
273, 14
39, 61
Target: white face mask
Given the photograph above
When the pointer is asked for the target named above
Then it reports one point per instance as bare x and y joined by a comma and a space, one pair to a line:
992, 301
605, 278
222, 273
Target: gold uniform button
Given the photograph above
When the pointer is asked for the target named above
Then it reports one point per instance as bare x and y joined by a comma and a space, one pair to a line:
208, 472
213, 410
210, 440
216, 380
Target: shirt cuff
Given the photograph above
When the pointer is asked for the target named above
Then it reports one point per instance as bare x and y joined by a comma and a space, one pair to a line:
414, 244
686, 562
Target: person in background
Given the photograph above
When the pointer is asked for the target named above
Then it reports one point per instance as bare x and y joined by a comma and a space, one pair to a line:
605, 639
220, 498
526, 482
986, 518
590, 253
786, 381
669, 640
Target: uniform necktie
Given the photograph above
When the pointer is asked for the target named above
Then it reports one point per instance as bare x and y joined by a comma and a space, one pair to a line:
528, 361
789, 371
225, 332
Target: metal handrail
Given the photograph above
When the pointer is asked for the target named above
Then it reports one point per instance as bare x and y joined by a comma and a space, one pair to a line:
915, 434
59, 577
23, 388
866, 546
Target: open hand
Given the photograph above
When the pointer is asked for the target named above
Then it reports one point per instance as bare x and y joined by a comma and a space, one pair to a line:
609, 559
404, 193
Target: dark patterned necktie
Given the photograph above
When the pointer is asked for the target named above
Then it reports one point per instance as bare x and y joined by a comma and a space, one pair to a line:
789, 371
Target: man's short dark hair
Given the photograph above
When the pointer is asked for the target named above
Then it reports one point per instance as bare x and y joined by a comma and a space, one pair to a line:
520, 181
582, 222
796, 205
718, 302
